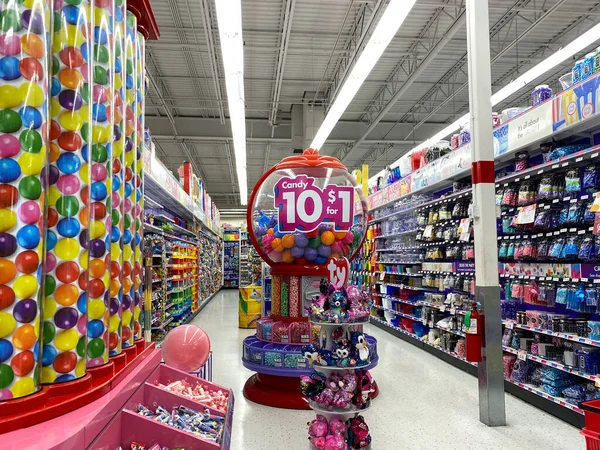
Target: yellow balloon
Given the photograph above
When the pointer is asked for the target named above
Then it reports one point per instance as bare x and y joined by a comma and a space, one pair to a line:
129, 96
84, 260
126, 317
23, 387
97, 229
99, 134
127, 253
106, 279
53, 195
49, 308
25, 286
31, 163
129, 159
67, 249
36, 327
66, 340
138, 253
55, 108
118, 81
84, 173
85, 112
48, 375
8, 220
32, 94
115, 251
7, 324
100, 17
71, 120
80, 368
118, 147
9, 97
136, 312
71, 35
114, 323
95, 309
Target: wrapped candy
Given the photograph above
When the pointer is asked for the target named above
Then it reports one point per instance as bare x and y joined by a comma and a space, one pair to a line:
214, 398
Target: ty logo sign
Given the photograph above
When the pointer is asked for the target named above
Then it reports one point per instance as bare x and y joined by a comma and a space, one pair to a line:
338, 270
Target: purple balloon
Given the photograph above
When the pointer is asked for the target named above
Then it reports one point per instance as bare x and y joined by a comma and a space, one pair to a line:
137, 298
128, 144
114, 306
33, 21
126, 302
70, 100
301, 240
84, 238
310, 254
8, 244
97, 248
324, 250
66, 318
117, 133
297, 252
25, 311
53, 175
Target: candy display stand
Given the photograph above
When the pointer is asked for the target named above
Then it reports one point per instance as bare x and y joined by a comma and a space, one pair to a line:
301, 211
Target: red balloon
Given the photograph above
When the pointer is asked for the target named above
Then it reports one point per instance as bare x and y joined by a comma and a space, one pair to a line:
8, 195
98, 210
83, 280
22, 363
7, 296
85, 195
117, 99
54, 130
95, 288
136, 328
70, 141
126, 268
128, 174
113, 340
27, 262
65, 362
125, 334
138, 268
186, 348
116, 166
115, 269
67, 272
31, 69
313, 233
52, 217
71, 57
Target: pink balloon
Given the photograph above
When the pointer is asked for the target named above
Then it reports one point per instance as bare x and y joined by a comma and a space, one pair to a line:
10, 44
68, 184
9, 146
99, 93
98, 172
50, 262
5, 394
82, 324
127, 205
186, 348
116, 199
29, 212
95, 362
84, 72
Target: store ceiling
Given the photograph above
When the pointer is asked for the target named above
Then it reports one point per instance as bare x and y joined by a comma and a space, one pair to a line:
186, 110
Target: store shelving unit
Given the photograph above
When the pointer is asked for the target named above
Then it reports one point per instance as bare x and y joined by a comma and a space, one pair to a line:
416, 251
231, 257
245, 260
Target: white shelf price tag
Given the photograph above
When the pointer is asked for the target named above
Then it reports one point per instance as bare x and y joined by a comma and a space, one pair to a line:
510, 325
522, 355
453, 310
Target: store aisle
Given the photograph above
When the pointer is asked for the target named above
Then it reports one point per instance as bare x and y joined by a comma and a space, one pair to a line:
425, 404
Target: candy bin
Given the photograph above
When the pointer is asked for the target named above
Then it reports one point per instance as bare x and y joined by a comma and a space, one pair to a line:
302, 212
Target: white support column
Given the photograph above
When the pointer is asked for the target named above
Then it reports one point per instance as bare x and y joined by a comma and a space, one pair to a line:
490, 371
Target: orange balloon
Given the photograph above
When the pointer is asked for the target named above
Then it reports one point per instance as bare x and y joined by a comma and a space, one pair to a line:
8, 271
127, 284
54, 152
288, 240
327, 238
340, 234
32, 45
84, 217
114, 288
70, 78
270, 231
277, 245
66, 295
137, 282
24, 337
287, 256
97, 268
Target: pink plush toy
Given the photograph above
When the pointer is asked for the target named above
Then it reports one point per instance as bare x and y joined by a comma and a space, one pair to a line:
325, 398
337, 426
335, 443
318, 427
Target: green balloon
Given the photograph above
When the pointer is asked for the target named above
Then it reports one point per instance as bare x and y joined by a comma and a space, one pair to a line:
85, 128
10, 21
81, 347
101, 54
314, 242
100, 75
48, 333
49, 285
57, 22
129, 66
10, 121
31, 141
99, 153
30, 187
115, 216
126, 221
36, 375
6, 376
95, 348
85, 92
73, 2
55, 65
67, 206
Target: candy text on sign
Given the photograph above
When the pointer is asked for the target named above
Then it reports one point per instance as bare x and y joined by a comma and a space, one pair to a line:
303, 206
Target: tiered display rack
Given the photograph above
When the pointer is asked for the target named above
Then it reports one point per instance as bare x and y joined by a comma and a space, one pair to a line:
231, 257
411, 258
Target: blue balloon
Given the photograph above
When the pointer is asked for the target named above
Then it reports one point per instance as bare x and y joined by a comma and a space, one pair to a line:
63, 378
138, 238
6, 350
127, 237
68, 227
82, 303
115, 234
55, 89
50, 240
48, 355
99, 112
128, 189
116, 183
71, 14
9, 68
31, 117
321, 260
129, 82
85, 52
68, 163
98, 191
118, 15
9, 170
95, 328
100, 36
118, 64
28, 236
85, 153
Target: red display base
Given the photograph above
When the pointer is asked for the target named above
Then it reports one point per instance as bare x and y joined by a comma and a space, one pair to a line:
279, 392
375, 392
57, 399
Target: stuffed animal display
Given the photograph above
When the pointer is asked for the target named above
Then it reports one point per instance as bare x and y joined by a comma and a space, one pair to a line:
337, 434
346, 391
346, 305
348, 350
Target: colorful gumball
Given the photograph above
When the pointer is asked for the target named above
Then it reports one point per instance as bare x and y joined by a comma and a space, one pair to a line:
277, 245
327, 237
287, 241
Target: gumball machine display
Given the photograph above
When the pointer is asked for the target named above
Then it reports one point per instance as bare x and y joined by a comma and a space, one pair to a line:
303, 211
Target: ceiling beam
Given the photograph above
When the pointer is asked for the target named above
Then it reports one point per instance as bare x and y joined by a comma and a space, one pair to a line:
284, 40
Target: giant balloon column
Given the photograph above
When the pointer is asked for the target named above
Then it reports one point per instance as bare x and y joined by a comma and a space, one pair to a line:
70, 189
302, 211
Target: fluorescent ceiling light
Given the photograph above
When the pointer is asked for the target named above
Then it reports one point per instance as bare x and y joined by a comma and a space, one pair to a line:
229, 19
561, 55
386, 29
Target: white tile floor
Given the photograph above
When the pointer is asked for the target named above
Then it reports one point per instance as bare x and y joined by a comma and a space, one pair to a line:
425, 404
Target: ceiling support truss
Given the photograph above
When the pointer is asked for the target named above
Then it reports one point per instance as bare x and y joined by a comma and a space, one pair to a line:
286, 27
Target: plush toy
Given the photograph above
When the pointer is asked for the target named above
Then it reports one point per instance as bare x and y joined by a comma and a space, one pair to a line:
337, 426
335, 443
318, 427
365, 388
341, 353
358, 433
359, 348
337, 335
311, 353
326, 398
312, 385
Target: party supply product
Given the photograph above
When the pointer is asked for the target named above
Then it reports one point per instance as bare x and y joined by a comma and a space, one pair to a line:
24, 193
540, 94
186, 348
